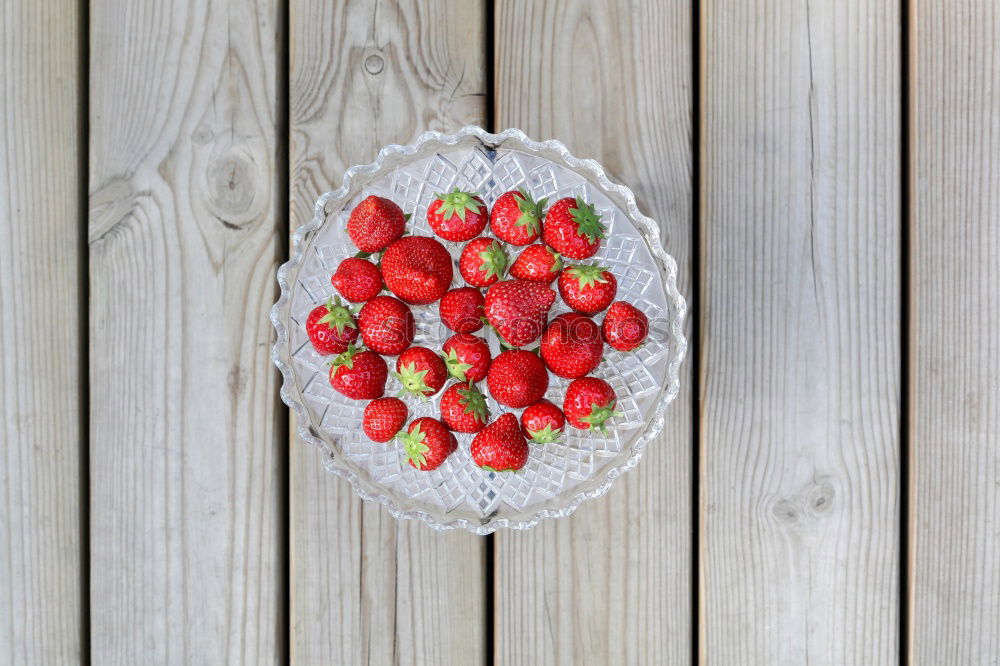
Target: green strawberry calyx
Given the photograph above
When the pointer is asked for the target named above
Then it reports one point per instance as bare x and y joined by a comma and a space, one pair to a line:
474, 402
587, 276
456, 367
337, 317
487, 468
545, 435
458, 203
531, 211
413, 381
557, 263
494, 260
588, 221
414, 447
346, 358
600, 414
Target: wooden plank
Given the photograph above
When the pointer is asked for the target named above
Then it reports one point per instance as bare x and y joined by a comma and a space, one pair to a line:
954, 571
41, 435
366, 588
800, 336
612, 583
187, 441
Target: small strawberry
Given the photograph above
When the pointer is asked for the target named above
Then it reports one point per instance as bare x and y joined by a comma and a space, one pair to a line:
500, 446
421, 372
625, 326
483, 262
518, 310
538, 262
457, 216
359, 375
357, 280
573, 228
571, 345
386, 325
427, 443
517, 378
331, 328
587, 289
463, 408
383, 418
466, 357
417, 269
517, 217
374, 223
589, 403
542, 422
461, 310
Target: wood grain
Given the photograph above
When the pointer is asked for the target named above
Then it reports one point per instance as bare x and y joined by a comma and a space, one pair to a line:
365, 587
612, 583
187, 443
41, 434
954, 347
800, 269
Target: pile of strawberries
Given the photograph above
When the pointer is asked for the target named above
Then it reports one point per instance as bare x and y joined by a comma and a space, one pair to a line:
417, 270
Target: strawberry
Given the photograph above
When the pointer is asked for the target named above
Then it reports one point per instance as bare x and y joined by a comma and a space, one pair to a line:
571, 345
500, 446
427, 443
517, 218
466, 357
457, 216
589, 403
625, 326
420, 371
542, 422
383, 418
386, 325
417, 269
587, 289
518, 310
359, 375
374, 223
537, 262
573, 228
517, 378
461, 310
483, 262
357, 280
463, 408
331, 328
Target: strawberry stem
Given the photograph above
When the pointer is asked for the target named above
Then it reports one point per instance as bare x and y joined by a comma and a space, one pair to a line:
458, 203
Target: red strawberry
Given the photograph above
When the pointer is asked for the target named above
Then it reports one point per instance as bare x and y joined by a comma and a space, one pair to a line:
359, 375
573, 228
420, 371
625, 326
461, 310
357, 280
483, 262
518, 310
427, 443
571, 345
383, 418
517, 378
587, 289
331, 328
542, 422
466, 357
374, 223
457, 216
417, 269
537, 262
463, 408
386, 325
517, 218
500, 446
589, 403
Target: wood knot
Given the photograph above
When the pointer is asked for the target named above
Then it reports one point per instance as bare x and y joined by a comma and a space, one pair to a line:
231, 186
374, 64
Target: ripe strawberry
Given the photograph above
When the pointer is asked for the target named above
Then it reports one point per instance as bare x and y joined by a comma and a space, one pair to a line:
386, 325
573, 228
517, 378
589, 403
483, 262
571, 345
359, 375
357, 280
421, 372
383, 418
517, 217
625, 326
537, 262
461, 310
587, 289
542, 422
374, 223
463, 408
518, 310
331, 328
457, 216
417, 269
427, 443
500, 446
466, 357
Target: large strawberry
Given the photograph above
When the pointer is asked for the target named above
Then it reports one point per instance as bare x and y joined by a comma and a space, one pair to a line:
571, 345
483, 262
374, 223
386, 325
587, 289
518, 310
331, 328
421, 372
463, 408
538, 262
625, 326
517, 217
542, 422
573, 228
458, 215
357, 280
461, 310
590, 403
359, 375
427, 442
417, 269
466, 357
500, 446
517, 378
383, 418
